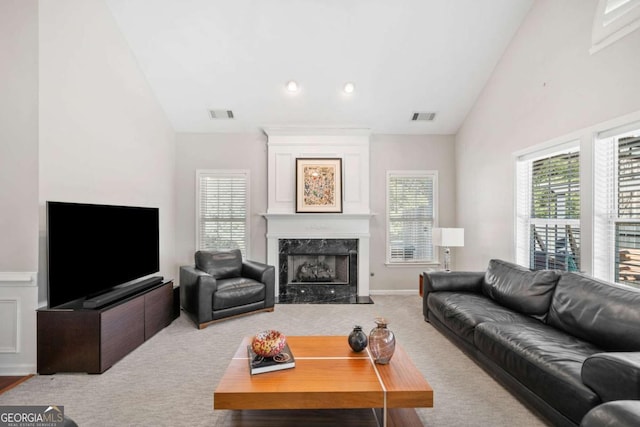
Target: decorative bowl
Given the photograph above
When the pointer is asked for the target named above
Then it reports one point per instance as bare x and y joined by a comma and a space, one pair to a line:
268, 343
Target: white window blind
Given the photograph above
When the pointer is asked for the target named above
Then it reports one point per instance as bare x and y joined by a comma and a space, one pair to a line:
548, 217
617, 207
222, 210
411, 201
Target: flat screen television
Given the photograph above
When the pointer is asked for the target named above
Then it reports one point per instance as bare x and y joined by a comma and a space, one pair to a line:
92, 249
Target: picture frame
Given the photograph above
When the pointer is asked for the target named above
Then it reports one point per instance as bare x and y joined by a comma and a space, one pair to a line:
318, 185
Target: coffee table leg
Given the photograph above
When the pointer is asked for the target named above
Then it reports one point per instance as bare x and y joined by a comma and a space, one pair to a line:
381, 416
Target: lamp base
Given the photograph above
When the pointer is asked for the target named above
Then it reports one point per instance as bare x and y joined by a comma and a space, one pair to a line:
447, 259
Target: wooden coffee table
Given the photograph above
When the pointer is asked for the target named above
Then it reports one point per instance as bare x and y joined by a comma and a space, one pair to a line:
328, 375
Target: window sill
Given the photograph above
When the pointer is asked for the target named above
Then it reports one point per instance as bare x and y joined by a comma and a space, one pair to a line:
433, 264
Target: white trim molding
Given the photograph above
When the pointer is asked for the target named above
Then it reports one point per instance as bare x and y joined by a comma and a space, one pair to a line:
13, 278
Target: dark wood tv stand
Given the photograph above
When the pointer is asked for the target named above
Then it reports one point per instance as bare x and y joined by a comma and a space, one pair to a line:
92, 340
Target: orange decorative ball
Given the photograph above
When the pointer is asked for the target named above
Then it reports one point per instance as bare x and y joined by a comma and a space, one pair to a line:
268, 343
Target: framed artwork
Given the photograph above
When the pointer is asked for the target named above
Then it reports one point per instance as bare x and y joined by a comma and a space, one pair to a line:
319, 185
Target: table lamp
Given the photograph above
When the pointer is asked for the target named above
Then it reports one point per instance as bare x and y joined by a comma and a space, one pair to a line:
447, 238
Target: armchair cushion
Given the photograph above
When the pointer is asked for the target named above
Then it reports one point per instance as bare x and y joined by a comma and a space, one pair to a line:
236, 292
220, 265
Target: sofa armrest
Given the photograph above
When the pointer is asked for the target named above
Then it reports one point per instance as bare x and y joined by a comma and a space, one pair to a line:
620, 413
613, 376
262, 273
196, 293
461, 281
456, 281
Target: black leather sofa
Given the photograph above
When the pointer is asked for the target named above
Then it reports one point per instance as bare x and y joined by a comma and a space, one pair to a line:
221, 285
562, 342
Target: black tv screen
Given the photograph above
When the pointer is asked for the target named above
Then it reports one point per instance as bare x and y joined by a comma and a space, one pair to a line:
93, 248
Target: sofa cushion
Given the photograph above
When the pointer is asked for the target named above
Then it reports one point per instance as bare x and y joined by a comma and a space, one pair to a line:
545, 360
511, 285
220, 264
605, 314
463, 311
237, 292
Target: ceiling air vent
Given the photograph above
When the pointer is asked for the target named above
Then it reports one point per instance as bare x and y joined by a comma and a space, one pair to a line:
221, 114
423, 117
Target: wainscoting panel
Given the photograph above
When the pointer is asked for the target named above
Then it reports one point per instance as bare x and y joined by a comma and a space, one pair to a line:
18, 305
286, 178
9, 315
353, 167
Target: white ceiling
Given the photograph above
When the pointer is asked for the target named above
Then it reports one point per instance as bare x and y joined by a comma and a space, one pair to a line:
404, 56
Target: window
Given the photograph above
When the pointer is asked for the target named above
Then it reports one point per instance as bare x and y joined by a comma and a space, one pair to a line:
613, 20
548, 205
617, 205
222, 208
411, 201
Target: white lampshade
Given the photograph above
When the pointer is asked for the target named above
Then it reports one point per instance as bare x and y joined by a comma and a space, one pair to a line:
448, 237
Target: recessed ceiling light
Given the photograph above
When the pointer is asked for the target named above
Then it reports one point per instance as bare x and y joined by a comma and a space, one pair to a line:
349, 87
292, 86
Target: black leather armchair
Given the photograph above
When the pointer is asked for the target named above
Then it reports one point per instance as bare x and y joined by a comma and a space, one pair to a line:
222, 285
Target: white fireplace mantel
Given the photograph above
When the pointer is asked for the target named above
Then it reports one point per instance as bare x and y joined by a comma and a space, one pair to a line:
285, 145
318, 226
317, 216
321, 226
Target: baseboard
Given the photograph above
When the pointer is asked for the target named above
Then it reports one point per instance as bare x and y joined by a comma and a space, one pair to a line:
7, 370
393, 292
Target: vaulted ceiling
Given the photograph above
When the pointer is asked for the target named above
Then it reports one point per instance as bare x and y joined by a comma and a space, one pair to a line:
403, 57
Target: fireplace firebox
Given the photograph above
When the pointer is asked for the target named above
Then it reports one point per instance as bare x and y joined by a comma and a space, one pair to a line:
318, 270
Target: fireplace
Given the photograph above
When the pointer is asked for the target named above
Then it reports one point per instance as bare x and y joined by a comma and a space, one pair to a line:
294, 237
318, 270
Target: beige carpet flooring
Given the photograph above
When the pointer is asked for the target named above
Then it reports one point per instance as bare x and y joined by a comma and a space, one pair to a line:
170, 379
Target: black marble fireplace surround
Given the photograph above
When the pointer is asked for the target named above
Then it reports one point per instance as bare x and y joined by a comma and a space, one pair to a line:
337, 279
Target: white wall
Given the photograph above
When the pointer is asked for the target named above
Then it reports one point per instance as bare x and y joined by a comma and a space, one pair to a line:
18, 184
546, 85
18, 135
407, 152
103, 136
219, 151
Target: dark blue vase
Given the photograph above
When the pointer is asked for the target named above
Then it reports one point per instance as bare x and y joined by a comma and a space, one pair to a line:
357, 339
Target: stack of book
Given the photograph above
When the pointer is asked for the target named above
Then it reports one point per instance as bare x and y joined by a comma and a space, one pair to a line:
282, 360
